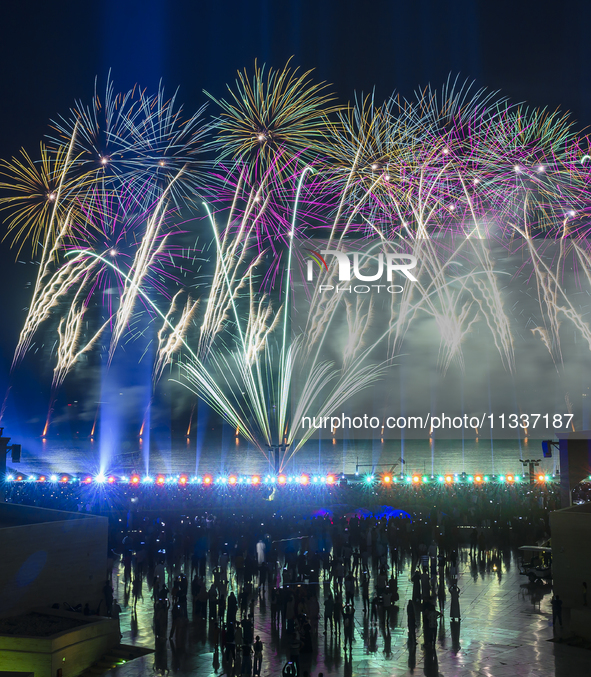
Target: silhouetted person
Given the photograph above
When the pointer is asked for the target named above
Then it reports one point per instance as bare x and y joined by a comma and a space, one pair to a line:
108, 594
258, 656
412, 623
454, 608
556, 610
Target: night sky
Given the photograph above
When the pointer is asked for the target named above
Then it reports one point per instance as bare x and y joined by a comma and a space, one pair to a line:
51, 52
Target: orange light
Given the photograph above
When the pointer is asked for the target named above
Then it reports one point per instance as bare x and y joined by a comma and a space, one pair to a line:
160, 479
64, 479
416, 479
232, 479
330, 479
111, 479
541, 478
19, 478
207, 479
183, 480
135, 479
478, 479
304, 479
256, 479
42, 478
282, 479
510, 478
88, 480
449, 479
387, 479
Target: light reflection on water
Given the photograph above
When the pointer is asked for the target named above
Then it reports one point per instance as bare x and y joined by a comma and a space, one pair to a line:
470, 456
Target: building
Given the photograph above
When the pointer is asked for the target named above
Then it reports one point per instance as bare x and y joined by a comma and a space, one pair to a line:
52, 557
571, 564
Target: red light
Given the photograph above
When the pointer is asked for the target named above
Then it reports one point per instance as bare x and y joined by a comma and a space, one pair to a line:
232, 479
207, 480
330, 479
282, 479
304, 479
111, 479
183, 480
256, 479
160, 479
135, 479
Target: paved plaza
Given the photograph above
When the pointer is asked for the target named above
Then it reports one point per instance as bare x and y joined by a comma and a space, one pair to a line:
505, 630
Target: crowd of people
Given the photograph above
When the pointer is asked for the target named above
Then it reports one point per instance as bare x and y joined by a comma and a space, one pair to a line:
311, 570
465, 503
312, 577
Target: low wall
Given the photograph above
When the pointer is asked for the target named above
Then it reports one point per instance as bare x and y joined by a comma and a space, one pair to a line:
580, 623
50, 556
73, 651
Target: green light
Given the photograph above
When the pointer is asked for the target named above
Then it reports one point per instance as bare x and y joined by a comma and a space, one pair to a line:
470, 479
441, 479
501, 478
409, 479
425, 479
486, 478
369, 479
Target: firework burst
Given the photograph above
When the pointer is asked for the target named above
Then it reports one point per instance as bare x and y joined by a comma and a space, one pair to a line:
105, 201
272, 118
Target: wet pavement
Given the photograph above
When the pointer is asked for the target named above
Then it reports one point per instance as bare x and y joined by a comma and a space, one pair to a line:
505, 630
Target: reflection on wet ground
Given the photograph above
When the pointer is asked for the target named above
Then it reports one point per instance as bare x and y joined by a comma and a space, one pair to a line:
505, 628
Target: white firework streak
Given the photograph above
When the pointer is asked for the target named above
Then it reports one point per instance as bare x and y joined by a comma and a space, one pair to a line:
147, 252
48, 298
261, 323
246, 368
49, 253
230, 275
171, 341
552, 291
359, 317
69, 332
205, 384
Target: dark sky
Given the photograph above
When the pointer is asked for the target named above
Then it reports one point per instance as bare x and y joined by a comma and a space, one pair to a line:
50, 53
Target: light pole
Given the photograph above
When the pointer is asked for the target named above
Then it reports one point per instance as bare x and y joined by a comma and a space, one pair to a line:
531, 464
274, 449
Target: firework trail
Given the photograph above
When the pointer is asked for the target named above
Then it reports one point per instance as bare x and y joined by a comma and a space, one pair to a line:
398, 176
171, 341
4, 403
150, 247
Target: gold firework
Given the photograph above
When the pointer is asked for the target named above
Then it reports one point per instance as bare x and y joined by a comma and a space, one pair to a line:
277, 117
34, 190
